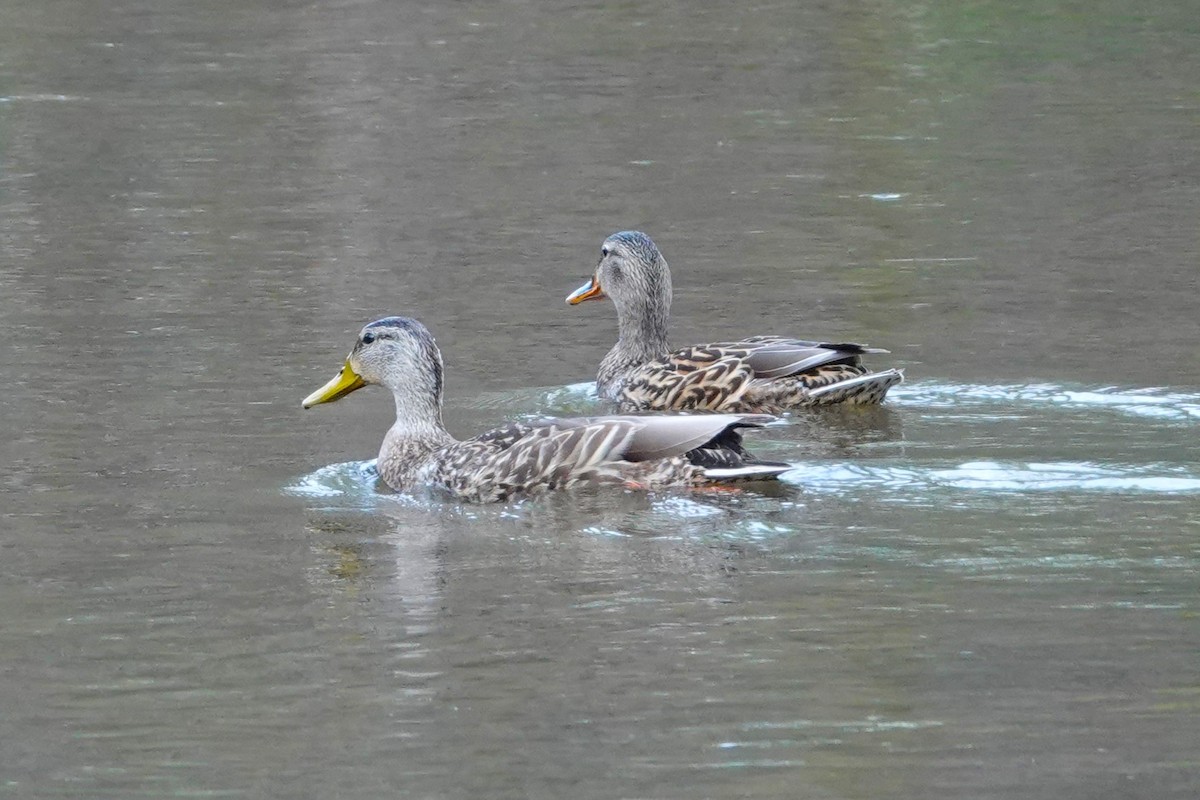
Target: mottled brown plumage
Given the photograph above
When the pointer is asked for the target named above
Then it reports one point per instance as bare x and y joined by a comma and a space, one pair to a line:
764, 374
524, 458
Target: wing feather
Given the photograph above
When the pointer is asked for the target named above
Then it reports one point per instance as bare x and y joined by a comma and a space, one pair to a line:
743, 375
782, 360
664, 437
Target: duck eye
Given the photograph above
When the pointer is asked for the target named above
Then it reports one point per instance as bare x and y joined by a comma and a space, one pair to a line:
368, 337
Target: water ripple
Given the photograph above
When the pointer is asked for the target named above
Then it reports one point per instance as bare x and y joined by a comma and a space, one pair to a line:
345, 479
1153, 402
539, 401
996, 476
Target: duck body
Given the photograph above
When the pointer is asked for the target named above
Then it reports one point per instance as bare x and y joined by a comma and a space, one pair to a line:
759, 374
527, 458
522, 459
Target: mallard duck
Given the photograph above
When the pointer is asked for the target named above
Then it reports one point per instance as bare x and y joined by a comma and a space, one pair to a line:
761, 374
525, 458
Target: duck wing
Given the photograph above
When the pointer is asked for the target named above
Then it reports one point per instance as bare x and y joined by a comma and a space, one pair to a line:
729, 376
778, 357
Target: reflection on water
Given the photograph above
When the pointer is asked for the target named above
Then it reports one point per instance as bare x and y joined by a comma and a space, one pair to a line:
985, 589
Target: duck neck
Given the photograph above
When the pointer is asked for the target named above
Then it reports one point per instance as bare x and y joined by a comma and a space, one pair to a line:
641, 338
417, 432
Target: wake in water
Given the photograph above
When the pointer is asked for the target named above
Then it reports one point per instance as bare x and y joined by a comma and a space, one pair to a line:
994, 476
1153, 403
354, 479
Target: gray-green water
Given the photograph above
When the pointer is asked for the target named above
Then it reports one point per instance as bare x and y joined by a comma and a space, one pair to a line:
987, 588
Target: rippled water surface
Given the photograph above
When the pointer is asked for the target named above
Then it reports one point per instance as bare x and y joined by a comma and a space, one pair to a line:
986, 588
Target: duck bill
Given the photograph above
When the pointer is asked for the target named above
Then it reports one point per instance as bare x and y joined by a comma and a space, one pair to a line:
589, 291
345, 382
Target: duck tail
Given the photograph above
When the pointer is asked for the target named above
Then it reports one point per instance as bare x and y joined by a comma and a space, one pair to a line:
869, 389
758, 471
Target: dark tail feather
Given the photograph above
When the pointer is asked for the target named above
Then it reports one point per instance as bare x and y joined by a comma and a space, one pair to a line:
725, 458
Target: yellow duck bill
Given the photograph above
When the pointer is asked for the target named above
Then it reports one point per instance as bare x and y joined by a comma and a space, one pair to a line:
345, 382
589, 291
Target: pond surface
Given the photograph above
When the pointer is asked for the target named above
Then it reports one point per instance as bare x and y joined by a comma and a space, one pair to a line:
986, 588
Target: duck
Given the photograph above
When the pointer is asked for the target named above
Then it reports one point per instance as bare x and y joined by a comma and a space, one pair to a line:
759, 374
526, 458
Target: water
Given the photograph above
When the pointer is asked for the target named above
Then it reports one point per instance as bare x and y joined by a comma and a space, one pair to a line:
985, 589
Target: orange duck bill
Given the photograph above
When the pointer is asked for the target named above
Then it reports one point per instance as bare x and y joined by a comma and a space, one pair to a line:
589, 291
